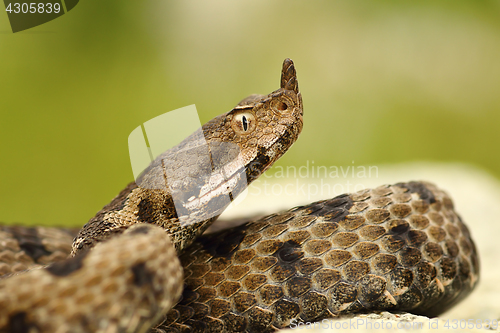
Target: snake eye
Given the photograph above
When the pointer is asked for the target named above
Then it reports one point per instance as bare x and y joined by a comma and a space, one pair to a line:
243, 122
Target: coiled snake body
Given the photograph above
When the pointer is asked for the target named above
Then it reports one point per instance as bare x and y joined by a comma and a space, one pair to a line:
399, 247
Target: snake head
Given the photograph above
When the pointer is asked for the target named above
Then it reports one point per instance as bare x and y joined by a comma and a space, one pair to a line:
262, 127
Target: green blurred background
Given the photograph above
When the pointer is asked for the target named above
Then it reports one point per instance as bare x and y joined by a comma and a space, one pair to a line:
382, 82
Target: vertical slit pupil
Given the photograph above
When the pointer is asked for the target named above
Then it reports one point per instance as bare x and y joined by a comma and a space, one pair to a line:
245, 123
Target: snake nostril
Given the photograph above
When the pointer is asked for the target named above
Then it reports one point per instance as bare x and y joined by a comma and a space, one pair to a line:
282, 106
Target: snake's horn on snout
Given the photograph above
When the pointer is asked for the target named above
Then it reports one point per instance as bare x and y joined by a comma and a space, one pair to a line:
289, 76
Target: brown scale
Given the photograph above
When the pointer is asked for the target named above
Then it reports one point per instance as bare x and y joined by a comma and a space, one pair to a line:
399, 247
25, 247
81, 294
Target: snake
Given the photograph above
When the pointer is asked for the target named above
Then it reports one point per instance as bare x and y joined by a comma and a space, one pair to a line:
144, 263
